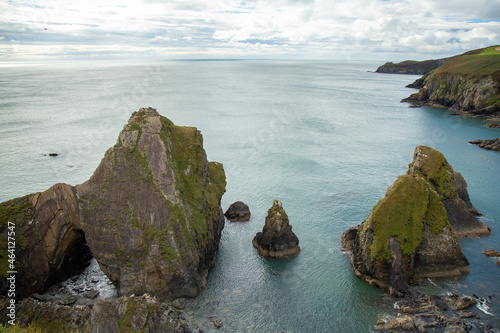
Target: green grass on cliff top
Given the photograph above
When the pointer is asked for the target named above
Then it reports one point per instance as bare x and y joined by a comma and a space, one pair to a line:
409, 203
478, 63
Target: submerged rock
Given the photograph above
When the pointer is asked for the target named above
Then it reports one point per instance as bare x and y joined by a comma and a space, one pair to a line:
238, 212
491, 253
277, 239
409, 235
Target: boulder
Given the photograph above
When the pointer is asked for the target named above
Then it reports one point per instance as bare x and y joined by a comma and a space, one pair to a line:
50, 242
277, 239
408, 235
238, 212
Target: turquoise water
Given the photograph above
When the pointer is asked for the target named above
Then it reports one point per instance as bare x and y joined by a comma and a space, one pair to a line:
325, 138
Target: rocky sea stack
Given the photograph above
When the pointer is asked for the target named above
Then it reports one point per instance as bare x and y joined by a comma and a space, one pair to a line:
412, 232
277, 239
150, 215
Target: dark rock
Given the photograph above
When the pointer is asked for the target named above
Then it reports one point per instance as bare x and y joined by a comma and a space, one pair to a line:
238, 212
41, 298
409, 235
277, 239
53, 154
493, 144
494, 125
491, 253
91, 294
217, 322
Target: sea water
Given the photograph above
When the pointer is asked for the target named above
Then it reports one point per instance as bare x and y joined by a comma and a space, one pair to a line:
325, 138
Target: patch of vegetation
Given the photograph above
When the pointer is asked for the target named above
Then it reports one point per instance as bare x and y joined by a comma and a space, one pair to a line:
400, 213
33, 328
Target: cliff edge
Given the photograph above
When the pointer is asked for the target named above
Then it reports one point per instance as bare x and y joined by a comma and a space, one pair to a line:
469, 83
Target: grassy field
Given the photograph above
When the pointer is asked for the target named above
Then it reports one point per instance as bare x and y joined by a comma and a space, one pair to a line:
477, 63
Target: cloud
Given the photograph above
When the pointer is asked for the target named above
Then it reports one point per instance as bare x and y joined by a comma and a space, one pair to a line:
224, 28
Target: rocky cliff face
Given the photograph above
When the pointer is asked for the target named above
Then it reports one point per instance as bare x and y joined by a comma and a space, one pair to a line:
458, 92
150, 213
50, 243
409, 234
277, 240
469, 83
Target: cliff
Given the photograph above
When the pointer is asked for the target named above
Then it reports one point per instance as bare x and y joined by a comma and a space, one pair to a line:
412, 232
412, 67
469, 83
150, 215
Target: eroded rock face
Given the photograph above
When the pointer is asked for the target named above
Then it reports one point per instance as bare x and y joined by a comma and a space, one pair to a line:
409, 234
151, 215
50, 243
238, 212
151, 210
277, 239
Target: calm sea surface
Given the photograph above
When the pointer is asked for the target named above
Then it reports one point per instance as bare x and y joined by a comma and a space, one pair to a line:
325, 138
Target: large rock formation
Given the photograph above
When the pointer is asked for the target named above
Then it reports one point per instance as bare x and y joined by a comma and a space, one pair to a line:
151, 215
409, 235
451, 187
277, 239
238, 212
50, 243
469, 83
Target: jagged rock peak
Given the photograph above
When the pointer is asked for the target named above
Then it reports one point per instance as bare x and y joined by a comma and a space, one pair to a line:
277, 239
151, 211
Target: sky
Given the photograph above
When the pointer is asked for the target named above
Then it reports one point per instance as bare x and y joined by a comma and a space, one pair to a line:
263, 29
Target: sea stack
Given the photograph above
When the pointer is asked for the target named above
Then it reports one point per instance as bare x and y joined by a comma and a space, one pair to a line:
412, 232
276, 239
150, 215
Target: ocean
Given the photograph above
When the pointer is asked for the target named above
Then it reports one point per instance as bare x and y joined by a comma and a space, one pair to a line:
325, 138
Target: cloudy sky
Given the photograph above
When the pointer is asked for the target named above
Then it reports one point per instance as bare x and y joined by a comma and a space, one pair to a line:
291, 29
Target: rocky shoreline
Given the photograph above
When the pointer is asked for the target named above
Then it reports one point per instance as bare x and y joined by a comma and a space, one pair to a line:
493, 144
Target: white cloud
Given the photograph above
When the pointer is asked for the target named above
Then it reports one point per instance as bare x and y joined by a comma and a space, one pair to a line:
331, 29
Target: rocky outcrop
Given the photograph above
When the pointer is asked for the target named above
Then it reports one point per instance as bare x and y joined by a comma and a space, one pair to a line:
493, 144
469, 83
50, 243
409, 235
277, 239
151, 210
412, 67
238, 212
126, 314
425, 313
150, 213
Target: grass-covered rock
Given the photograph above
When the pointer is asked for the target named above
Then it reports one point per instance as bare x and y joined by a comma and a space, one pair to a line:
410, 233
